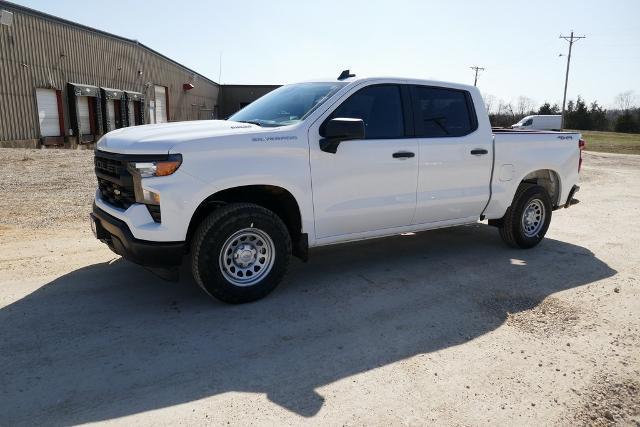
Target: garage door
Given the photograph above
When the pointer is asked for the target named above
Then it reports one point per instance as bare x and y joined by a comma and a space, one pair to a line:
132, 114
111, 115
161, 104
48, 114
83, 115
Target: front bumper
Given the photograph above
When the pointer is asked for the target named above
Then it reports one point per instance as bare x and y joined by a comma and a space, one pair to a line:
116, 234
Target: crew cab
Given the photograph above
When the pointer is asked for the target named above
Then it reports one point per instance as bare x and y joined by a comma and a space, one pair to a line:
320, 163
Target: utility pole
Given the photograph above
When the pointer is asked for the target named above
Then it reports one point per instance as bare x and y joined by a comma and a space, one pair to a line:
476, 68
571, 39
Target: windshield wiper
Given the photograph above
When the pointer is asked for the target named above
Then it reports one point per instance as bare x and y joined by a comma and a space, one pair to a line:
251, 122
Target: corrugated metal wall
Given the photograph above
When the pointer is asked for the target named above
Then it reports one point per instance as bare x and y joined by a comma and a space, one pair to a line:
37, 51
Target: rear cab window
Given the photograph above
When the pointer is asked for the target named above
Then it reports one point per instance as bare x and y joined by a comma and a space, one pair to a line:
442, 112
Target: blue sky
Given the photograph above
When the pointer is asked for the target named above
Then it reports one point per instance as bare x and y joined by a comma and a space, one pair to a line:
287, 41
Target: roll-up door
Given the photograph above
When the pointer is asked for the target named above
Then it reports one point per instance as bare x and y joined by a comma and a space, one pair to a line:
161, 104
48, 113
111, 115
84, 122
132, 113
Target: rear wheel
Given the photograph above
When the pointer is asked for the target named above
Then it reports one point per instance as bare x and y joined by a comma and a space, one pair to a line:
240, 253
526, 222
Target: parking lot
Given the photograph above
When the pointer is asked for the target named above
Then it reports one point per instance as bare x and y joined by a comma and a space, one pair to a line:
446, 327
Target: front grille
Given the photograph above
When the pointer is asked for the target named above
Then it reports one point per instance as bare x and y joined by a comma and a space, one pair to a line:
114, 180
115, 194
108, 166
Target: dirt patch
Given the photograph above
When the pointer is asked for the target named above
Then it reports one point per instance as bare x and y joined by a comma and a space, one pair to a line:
610, 402
45, 188
543, 318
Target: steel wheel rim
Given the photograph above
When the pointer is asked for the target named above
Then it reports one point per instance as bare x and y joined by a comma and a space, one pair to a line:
533, 218
246, 257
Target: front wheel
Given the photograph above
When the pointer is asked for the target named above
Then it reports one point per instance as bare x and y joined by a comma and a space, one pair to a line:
240, 252
527, 220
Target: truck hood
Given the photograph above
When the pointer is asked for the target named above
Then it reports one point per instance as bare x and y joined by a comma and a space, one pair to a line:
160, 138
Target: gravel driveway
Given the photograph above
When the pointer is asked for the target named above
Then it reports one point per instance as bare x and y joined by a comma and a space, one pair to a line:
443, 327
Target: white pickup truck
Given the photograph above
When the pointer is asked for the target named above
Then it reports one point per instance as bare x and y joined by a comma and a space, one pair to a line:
319, 163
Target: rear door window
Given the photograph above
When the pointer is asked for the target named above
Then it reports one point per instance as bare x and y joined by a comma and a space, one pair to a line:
380, 107
442, 112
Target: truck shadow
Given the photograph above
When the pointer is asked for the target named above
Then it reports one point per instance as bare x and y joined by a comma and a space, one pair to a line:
111, 340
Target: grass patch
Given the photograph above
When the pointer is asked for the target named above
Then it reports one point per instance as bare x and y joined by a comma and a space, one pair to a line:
612, 142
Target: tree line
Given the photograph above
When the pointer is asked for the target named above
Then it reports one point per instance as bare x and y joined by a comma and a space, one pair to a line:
579, 114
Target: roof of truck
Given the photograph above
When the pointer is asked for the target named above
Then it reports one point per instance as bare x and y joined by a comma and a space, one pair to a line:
406, 80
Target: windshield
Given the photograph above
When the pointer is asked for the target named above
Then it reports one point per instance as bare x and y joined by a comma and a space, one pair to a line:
287, 105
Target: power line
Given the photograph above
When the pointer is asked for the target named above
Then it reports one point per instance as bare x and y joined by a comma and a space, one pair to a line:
571, 39
476, 69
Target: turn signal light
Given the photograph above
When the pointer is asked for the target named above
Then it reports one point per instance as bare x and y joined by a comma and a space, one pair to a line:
167, 168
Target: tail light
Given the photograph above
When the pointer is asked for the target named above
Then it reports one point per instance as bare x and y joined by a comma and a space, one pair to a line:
581, 146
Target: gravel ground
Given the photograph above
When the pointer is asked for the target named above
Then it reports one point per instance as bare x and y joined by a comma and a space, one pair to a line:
45, 188
448, 327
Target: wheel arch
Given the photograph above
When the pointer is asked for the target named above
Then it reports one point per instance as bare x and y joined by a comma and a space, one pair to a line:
276, 198
547, 178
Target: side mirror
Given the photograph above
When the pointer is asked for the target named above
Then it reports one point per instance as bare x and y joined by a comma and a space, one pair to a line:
340, 129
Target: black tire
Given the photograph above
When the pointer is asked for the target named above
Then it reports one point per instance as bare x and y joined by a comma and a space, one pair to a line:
511, 226
217, 230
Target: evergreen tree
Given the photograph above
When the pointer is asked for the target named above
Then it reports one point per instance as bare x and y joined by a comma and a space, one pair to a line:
547, 109
598, 117
626, 123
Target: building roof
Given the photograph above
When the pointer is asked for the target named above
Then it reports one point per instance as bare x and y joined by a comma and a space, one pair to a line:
29, 11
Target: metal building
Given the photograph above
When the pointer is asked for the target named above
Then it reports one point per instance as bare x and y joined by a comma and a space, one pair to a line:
66, 84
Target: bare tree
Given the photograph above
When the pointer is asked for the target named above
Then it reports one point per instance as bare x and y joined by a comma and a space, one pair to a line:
505, 108
625, 100
524, 105
489, 102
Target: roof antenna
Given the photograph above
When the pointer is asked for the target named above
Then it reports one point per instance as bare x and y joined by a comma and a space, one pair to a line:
345, 75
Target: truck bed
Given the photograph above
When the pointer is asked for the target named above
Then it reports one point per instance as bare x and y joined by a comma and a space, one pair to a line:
520, 153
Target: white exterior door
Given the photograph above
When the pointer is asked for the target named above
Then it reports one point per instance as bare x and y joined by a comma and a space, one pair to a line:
84, 122
363, 187
111, 115
161, 104
48, 114
455, 158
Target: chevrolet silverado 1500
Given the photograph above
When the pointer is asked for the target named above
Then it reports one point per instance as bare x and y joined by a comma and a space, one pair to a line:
319, 163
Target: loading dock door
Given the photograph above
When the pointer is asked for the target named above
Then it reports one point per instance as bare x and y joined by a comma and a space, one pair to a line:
161, 104
84, 121
132, 114
111, 115
48, 114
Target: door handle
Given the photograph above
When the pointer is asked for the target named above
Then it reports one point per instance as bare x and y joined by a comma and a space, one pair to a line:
403, 155
479, 151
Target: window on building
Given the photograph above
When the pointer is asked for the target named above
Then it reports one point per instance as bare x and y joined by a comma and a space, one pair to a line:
380, 107
441, 112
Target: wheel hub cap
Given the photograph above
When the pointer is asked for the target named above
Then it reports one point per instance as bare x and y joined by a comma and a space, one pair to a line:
247, 257
533, 218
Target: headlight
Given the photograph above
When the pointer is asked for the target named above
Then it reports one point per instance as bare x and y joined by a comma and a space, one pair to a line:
156, 167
